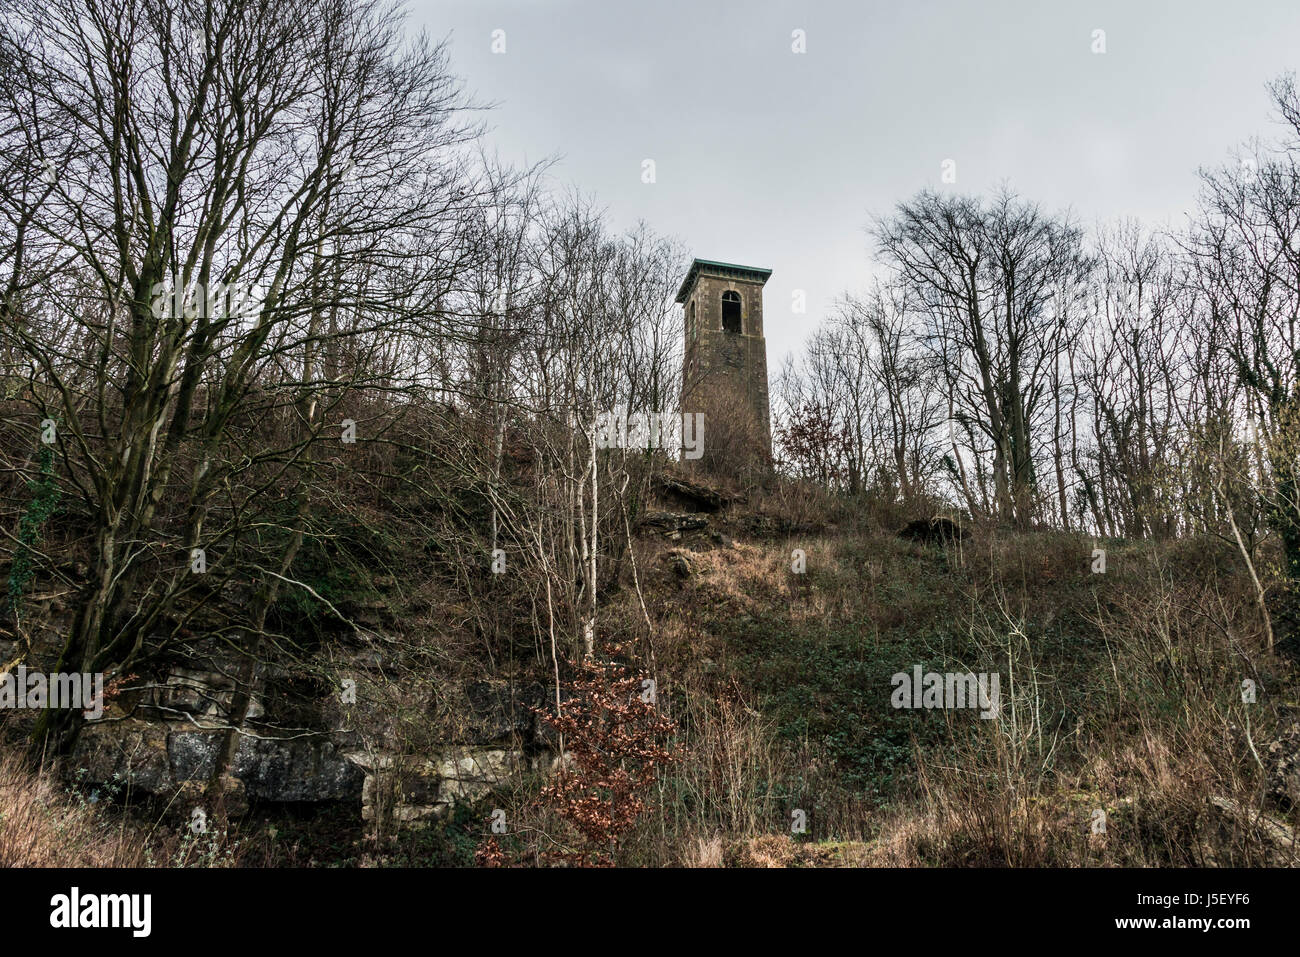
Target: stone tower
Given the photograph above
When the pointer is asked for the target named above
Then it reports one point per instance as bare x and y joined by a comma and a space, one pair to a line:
724, 372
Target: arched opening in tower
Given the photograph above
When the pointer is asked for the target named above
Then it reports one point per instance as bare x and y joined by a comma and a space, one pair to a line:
731, 312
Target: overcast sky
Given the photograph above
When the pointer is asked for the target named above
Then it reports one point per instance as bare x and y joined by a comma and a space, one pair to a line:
770, 158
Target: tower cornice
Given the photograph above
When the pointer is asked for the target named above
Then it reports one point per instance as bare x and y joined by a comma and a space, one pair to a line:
726, 270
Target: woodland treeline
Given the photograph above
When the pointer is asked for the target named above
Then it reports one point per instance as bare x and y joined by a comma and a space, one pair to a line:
269, 304
375, 320
1119, 381
1034, 373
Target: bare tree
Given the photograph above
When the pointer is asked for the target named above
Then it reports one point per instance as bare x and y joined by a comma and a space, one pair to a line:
989, 279
249, 199
1245, 249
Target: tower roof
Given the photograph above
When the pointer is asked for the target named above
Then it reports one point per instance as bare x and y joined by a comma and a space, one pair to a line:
715, 268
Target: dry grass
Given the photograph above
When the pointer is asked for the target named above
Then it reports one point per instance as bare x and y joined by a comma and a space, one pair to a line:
1125, 689
708, 853
44, 825
1165, 755
41, 825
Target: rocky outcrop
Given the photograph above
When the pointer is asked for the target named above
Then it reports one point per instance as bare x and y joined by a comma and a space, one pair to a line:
671, 525
503, 738
700, 498
166, 745
680, 565
158, 758
130, 754
407, 792
201, 692
501, 711
933, 531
